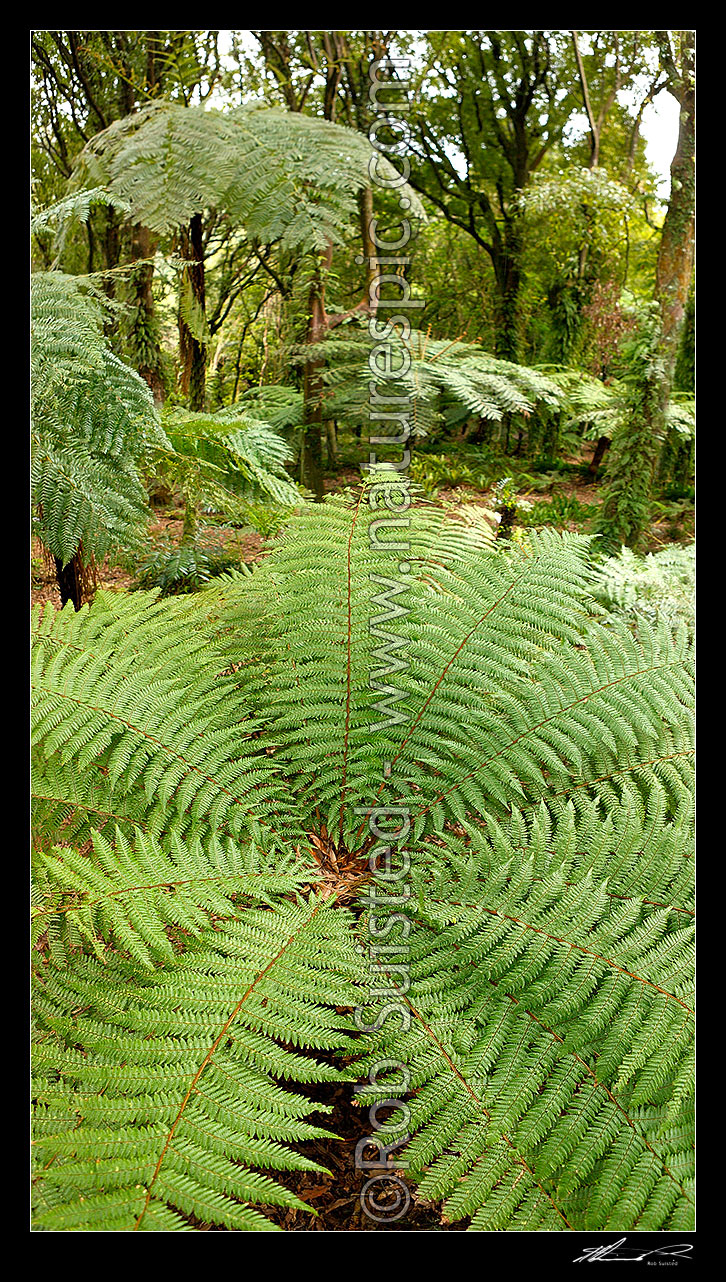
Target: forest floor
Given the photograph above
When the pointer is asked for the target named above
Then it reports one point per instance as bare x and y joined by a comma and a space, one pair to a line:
336, 1197
563, 497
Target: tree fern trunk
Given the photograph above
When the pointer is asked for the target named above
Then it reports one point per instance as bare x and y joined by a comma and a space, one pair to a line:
331, 442
191, 347
70, 581
189, 529
601, 449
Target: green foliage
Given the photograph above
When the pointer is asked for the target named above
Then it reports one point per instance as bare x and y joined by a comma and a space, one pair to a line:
561, 510
444, 383
267, 521
637, 437
431, 471
279, 406
601, 409
659, 585
200, 765
285, 177
181, 569
75, 207
94, 425
227, 459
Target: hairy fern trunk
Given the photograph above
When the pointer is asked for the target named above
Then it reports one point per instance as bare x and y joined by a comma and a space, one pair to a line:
70, 579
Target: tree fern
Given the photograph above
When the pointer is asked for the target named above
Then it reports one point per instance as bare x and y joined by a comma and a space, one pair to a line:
228, 457
444, 382
204, 771
600, 409
285, 177
94, 423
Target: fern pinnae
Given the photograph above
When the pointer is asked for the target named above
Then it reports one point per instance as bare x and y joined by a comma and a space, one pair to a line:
201, 956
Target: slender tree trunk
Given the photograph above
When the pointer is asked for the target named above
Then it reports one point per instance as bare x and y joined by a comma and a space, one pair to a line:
365, 208
311, 457
508, 276
331, 443
191, 346
311, 460
189, 529
144, 335
601, 449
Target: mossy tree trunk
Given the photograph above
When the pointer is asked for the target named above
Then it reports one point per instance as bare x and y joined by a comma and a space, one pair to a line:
674, 269
636, 446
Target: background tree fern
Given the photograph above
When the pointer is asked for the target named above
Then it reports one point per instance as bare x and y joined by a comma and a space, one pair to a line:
94, 426
203, 769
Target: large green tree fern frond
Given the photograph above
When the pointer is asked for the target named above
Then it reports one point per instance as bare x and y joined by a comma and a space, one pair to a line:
158, 1102
441, 382
228, 457
285, 177
204, 770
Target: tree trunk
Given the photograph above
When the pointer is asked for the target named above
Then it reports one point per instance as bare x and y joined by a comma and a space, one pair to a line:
144, 333
311, 456
191, 347
365, 209
508, 276
601, 450
674, 268
331, 442
70, 581
636, 446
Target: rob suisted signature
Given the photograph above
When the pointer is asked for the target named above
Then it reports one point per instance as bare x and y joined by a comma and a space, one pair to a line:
620, 1251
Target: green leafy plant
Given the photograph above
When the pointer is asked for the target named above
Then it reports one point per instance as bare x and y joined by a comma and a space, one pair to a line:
661, 584
506, 503
561, 510
224, 461
204, 879
432, 471
94, 428
286, 177
265, 520
444, 382
181, 569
